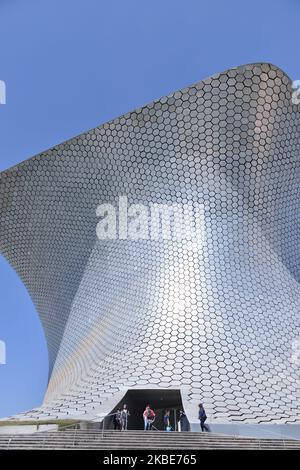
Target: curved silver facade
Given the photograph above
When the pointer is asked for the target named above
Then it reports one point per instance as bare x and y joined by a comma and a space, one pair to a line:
217, 319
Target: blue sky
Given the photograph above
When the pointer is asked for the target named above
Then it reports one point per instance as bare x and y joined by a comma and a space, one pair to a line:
70, 65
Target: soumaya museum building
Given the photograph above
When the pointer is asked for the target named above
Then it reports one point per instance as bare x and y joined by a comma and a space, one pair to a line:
134, 313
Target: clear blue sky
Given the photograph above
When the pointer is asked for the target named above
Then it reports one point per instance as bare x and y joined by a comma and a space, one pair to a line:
70, 65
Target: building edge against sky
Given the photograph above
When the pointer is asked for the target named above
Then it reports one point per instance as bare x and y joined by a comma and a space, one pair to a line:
217, 319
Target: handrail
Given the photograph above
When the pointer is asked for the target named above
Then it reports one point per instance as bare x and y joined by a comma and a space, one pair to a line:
75, 425
74, 437
103, 422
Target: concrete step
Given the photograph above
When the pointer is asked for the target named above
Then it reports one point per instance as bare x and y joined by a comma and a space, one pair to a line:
143, 447
113, 440
141, 436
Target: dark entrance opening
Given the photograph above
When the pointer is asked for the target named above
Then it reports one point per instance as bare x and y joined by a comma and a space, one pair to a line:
159, 400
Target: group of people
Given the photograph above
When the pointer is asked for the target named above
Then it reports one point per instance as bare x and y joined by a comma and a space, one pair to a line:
149, 418
120, 418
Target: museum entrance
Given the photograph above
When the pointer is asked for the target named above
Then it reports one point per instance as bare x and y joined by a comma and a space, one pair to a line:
159, 400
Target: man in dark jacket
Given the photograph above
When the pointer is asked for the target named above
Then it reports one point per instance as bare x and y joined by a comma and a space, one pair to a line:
184, 423
117, 420
202, 417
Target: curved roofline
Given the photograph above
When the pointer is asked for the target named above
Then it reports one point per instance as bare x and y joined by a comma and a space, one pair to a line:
211, 77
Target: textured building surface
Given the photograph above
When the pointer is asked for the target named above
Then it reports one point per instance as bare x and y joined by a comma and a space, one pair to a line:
217, 319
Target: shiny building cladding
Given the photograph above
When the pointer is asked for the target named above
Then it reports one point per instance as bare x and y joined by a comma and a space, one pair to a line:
217, 319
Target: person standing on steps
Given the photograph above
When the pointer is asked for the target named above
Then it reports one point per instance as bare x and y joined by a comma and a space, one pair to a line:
117, 420
167, 420
149, 417
184, 424
202, 418
124, 417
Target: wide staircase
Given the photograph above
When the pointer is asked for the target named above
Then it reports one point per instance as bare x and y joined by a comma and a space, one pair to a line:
114, 440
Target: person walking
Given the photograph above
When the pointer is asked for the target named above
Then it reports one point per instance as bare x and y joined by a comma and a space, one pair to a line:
124, 417
149, 417
202, 417
117, 420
